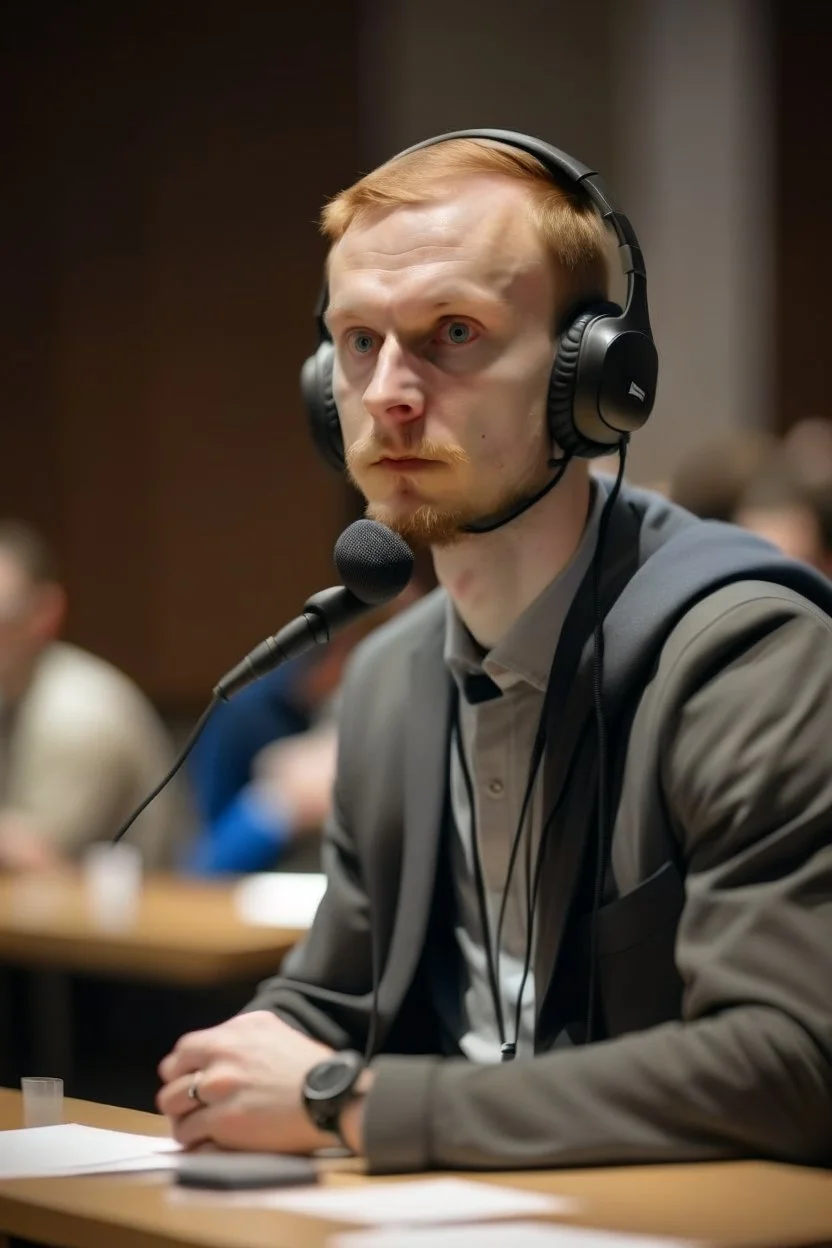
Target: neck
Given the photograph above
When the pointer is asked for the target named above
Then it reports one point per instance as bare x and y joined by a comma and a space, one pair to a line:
493, 577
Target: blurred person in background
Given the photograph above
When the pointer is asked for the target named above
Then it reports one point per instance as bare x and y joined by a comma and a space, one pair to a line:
80, 745
791, 513
711, 479
262, 772
808, 450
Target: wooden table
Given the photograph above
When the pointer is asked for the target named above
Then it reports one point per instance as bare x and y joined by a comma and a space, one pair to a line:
749, 1203
185, 933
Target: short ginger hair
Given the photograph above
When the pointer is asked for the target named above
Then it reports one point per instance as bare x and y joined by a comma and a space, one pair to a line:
571, 229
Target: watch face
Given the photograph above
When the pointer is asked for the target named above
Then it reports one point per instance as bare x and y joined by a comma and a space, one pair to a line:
328, 1079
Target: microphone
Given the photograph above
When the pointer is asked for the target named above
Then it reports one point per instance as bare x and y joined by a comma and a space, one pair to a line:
374, 564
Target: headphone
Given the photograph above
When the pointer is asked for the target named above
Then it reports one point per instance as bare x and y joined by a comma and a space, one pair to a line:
603, 381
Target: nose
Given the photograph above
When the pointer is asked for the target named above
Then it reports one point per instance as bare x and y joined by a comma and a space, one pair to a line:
395, 394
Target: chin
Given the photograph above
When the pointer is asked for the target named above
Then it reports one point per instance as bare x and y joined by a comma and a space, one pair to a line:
422, 525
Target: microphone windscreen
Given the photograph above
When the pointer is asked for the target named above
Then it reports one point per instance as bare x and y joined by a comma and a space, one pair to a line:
373, 562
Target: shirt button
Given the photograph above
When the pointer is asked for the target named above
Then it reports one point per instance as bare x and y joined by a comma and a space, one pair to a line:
495, 788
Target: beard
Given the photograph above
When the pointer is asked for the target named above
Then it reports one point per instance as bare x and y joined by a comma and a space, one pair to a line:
440, 523
429, 525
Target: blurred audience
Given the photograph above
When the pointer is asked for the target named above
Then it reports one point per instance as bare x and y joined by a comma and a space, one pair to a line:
263, 769
808, 451
80, 745
711, 479
779, 488
793, 514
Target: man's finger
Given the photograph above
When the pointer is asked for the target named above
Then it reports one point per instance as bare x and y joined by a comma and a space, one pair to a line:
192, 1052
210, 1086
194, 1128
174, 1100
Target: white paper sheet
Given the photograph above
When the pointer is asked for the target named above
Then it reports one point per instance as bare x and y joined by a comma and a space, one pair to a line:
37, 1152
503, 1235
279, 898
394, 1203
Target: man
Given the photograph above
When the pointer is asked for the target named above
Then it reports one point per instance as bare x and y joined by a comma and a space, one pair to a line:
671, 893
80, 746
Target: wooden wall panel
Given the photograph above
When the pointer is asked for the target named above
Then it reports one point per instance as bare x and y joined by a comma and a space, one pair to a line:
802, 42
168, 165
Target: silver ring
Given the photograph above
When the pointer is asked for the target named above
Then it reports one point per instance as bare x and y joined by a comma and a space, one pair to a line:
193, 1092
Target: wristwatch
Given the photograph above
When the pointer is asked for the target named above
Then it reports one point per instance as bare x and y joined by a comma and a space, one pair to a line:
328, 1089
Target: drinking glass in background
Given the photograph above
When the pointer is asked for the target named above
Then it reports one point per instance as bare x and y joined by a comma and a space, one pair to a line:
113, 883
43, 1101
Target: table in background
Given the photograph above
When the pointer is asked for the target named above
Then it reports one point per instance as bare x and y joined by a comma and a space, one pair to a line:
750, 1203
186, 932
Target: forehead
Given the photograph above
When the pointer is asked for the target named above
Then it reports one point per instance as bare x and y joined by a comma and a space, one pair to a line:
479, 235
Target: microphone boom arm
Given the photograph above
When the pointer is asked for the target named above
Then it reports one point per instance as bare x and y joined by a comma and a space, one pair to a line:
323, 614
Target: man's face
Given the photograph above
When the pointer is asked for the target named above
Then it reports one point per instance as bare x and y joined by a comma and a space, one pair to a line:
442, 317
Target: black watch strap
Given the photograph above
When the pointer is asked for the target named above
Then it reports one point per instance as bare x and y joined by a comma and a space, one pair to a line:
329, 1087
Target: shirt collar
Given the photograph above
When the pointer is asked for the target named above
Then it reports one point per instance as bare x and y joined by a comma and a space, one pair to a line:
526, 652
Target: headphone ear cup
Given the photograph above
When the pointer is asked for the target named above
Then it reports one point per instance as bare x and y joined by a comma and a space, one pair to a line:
563, 383
321, 409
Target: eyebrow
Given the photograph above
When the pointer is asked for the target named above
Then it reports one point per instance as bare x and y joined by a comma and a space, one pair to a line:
339, 311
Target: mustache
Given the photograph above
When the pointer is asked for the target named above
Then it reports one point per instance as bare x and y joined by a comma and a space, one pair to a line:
368, 450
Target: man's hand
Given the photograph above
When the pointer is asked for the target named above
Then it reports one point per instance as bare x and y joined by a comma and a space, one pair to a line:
298, 774
249, 1072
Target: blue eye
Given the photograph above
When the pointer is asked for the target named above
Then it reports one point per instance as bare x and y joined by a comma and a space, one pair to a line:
458, 333
363, 343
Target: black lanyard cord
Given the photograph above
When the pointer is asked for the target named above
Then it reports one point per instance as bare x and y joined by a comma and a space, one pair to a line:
478, 879
508, 1049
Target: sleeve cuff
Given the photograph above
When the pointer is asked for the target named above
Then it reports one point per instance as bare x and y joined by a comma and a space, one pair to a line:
397, 1115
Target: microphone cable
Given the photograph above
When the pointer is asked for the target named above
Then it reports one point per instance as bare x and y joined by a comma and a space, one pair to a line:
196, 732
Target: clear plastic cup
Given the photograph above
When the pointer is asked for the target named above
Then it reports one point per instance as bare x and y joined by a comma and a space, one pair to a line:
43, 1101
113, 883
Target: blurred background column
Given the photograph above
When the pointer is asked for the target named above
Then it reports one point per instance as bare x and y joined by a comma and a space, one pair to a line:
670, 100
694, 165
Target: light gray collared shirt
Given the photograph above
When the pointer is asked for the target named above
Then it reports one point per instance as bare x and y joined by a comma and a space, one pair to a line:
498, 737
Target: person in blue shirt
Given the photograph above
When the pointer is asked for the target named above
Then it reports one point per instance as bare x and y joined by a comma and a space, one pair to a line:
249, 813
263, 769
